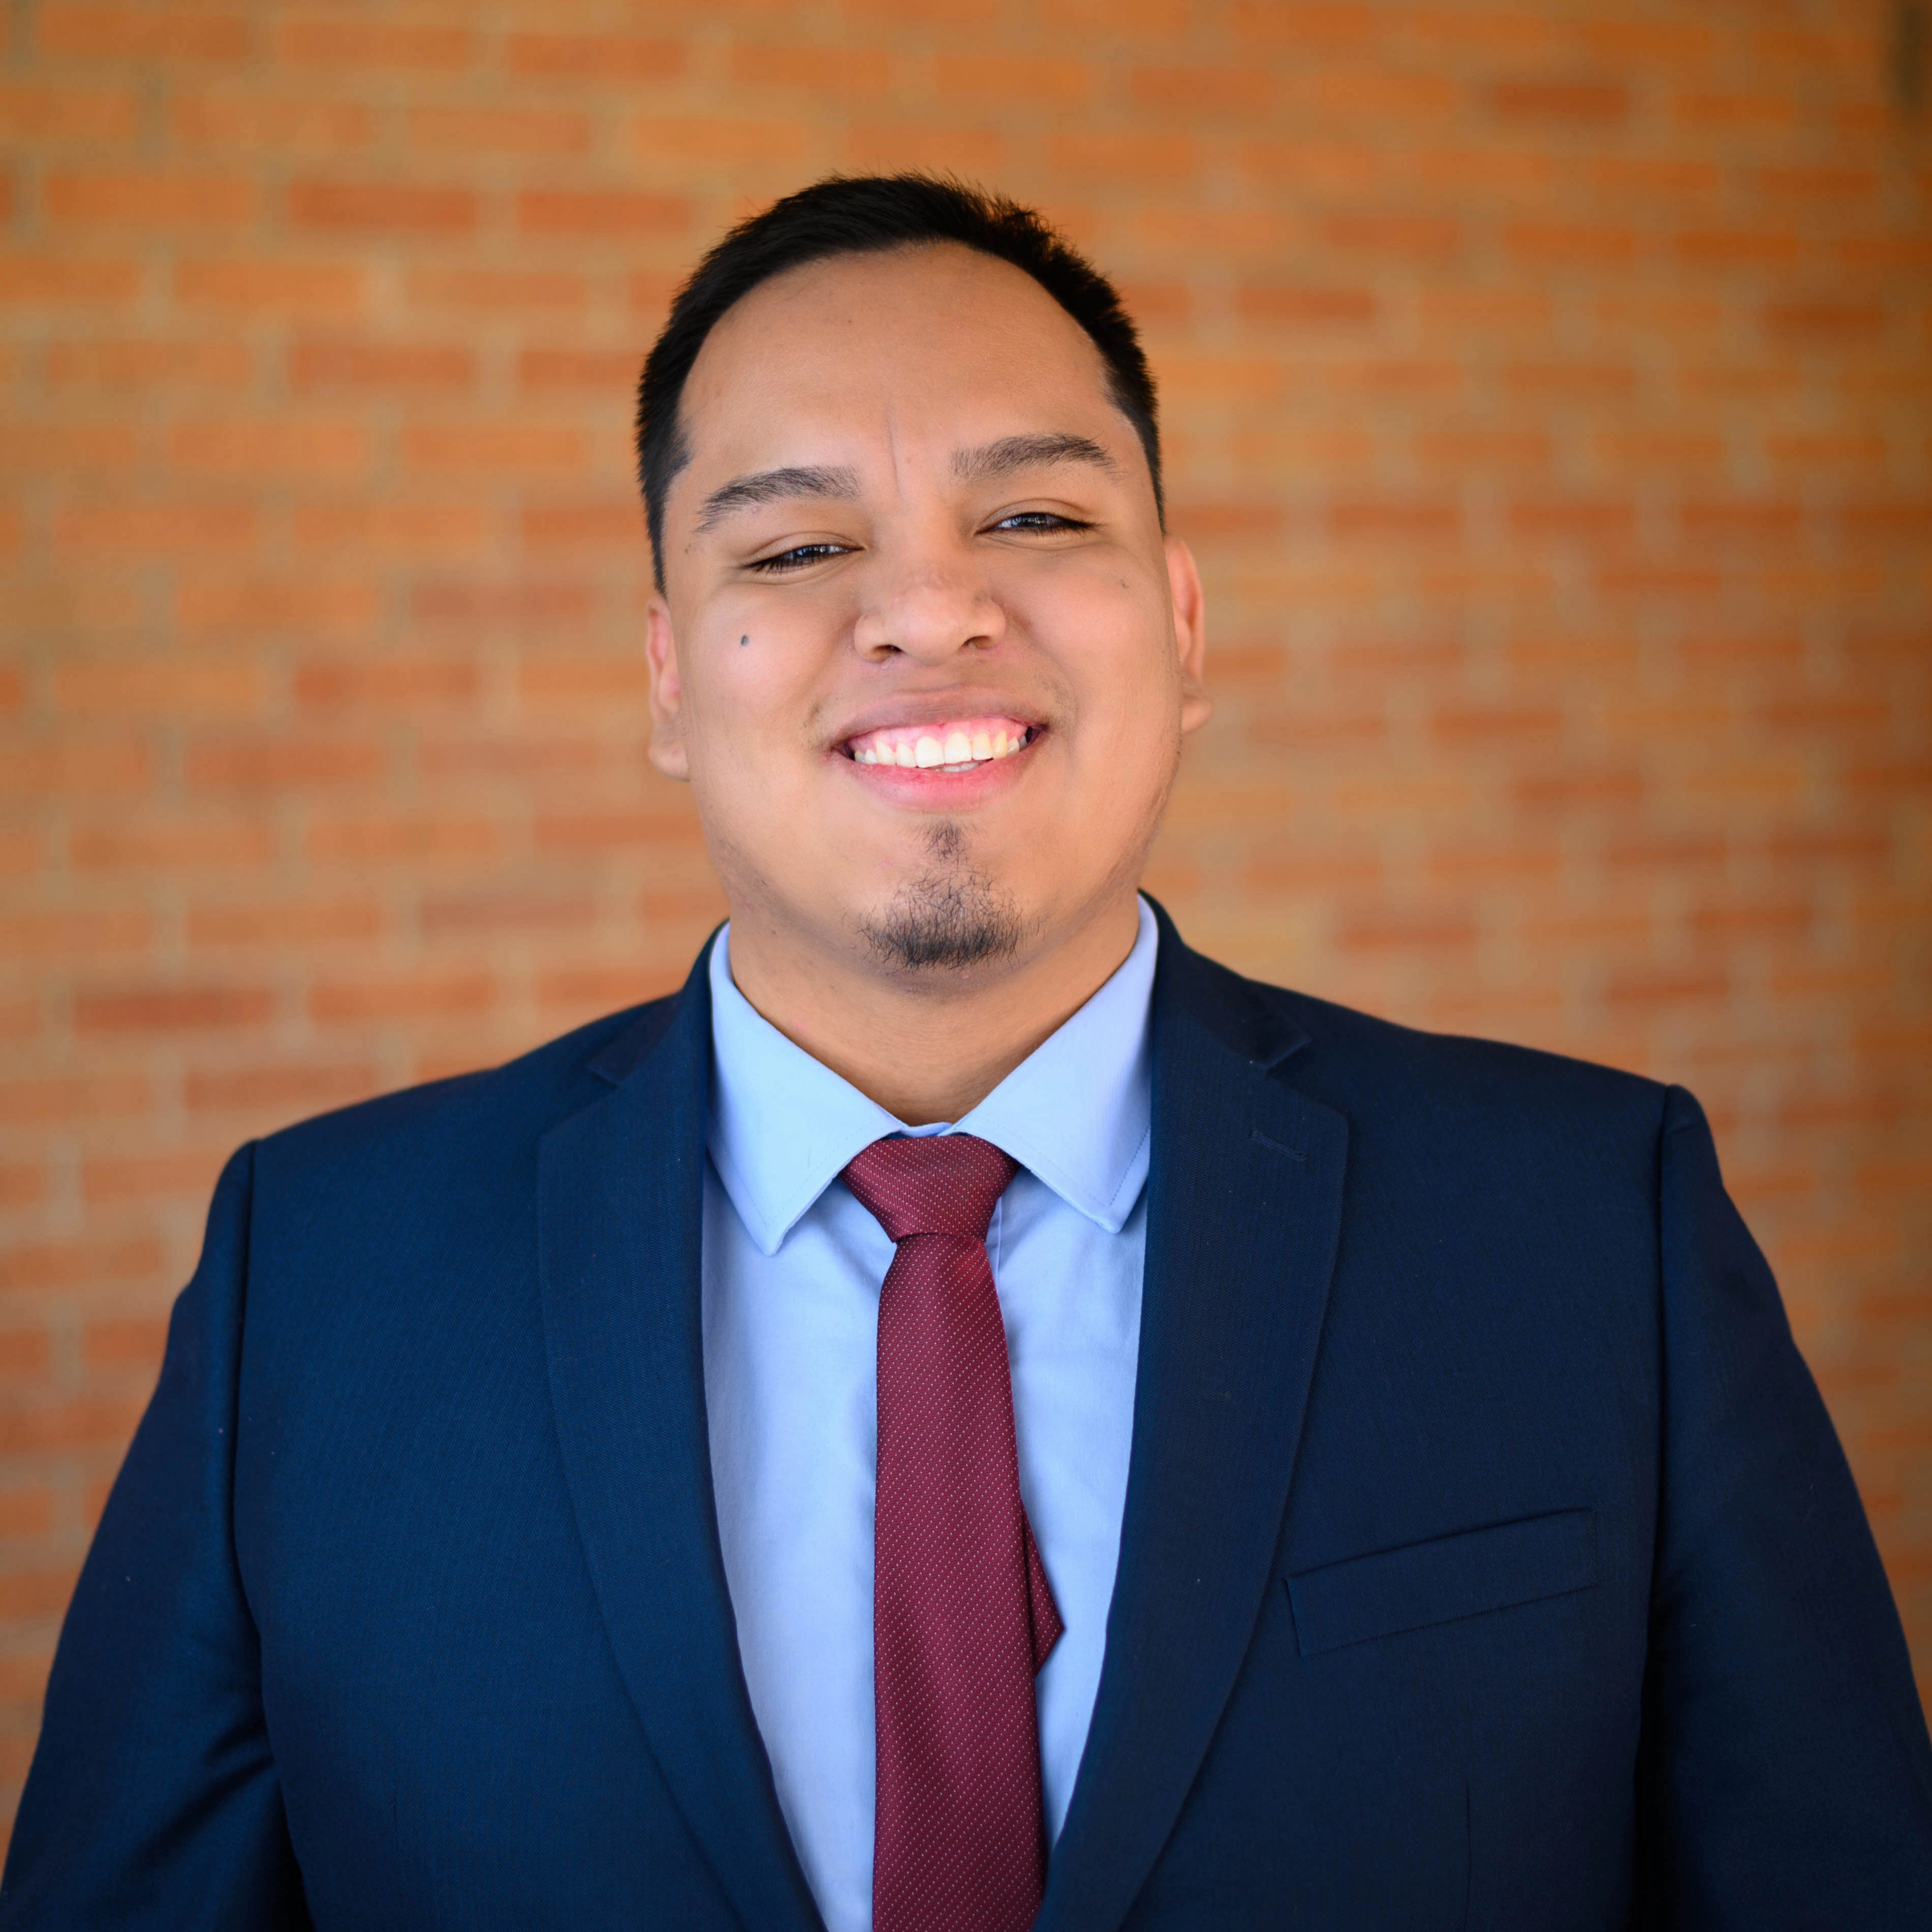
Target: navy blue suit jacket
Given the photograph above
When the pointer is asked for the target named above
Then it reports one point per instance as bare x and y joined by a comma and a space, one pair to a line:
1489, 1560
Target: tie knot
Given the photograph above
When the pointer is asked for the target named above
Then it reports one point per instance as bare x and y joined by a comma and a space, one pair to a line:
938, 1184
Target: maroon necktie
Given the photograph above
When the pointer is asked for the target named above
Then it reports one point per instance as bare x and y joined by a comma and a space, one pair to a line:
962, 1615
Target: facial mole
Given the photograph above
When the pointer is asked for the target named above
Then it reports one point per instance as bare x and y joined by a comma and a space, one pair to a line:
743, 641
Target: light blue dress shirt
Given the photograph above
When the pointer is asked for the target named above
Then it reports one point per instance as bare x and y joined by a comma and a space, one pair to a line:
792, 1269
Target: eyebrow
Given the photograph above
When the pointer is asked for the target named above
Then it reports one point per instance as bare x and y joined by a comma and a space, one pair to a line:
773, 486
993, 461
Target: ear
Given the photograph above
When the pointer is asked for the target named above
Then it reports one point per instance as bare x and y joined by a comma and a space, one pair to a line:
668, 750
1190, 634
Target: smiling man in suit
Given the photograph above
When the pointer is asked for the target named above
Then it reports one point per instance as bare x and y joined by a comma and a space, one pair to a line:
971, 1414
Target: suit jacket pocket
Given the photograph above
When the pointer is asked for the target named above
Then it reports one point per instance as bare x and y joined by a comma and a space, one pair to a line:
1444, 1579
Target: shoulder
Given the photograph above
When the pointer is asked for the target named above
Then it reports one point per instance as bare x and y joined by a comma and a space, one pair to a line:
1420, 1083
480, 1120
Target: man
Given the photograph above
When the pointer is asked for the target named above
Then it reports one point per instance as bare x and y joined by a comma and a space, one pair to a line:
600, 1492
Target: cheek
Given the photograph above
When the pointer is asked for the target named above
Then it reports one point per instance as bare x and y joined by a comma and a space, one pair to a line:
752, 695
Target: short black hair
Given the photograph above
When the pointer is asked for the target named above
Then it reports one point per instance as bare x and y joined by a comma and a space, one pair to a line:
863, 214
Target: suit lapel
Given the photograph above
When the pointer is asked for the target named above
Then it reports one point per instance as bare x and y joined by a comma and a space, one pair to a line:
621, 1208
1244, 1209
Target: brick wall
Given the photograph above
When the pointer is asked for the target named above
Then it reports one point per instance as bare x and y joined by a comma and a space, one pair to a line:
1549, 393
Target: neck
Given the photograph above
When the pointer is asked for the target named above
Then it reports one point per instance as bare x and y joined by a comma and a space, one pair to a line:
927, 1045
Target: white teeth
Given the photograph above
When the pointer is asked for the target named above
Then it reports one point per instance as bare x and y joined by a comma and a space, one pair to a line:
959, 749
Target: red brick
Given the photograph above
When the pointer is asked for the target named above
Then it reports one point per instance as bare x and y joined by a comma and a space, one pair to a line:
610, 371
1168, 159
611, 212
479, 914
87, 767
390, 836
517, 291
80, 1422
382, 45
1732, 111
1374, 92
1011, 77
163, 528
517, 604
26, 1511
29, 448
1563, 102
415, 530
1301, 305
439, 995
149, 1177
272, 764
1724, 245
68, 1098
384, 684
226, 606
884, 147
1393, 519
305, 922
56, 279
1422, 237
22, 1184
1545, 516
128, 843
24, 1352
250, 120
1543, 242
40, 1265
148, 365
583, 680
685, 142
170, 1009
382, 208
325, 447
354, 364
614, 59
149, 686
131, 1342
1299, 24
1213, 90
36, 1593
306, 288
829, 71
280, 1088
562, 525
149, 200
141, 33
43, 112
468, 130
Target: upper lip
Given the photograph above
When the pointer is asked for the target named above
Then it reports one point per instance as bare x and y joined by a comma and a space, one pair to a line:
939, 708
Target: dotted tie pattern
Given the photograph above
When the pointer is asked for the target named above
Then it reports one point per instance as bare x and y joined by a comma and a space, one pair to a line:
962, 1614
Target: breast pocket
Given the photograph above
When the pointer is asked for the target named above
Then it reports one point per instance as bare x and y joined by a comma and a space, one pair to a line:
1447, 1578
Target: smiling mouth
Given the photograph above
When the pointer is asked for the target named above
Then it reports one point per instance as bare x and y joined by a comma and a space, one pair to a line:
956, 745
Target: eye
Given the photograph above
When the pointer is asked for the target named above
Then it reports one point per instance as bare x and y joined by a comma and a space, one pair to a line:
801, 556
1050, 520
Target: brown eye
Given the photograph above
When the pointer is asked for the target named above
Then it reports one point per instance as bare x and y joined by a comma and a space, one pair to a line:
1039, 520
801, 558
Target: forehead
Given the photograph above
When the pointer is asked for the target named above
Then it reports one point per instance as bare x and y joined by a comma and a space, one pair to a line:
937, 340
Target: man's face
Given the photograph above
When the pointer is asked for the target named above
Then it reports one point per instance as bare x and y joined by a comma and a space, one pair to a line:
923, 651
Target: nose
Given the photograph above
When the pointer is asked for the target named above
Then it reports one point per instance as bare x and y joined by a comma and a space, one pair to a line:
930, 600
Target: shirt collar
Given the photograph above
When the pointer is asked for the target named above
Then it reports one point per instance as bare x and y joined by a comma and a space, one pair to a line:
1076, 1113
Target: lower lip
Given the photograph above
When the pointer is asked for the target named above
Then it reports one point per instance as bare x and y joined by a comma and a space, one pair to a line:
935, 788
